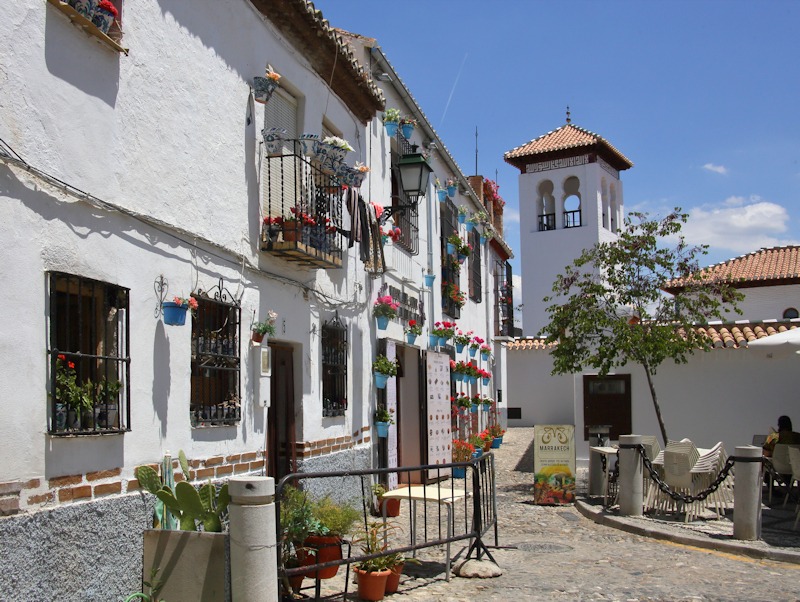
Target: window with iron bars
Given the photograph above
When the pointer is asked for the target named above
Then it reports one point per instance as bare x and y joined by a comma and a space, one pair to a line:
89, 356
407, 220
216, 361
504, 293
475, 277
451, 269
334, 368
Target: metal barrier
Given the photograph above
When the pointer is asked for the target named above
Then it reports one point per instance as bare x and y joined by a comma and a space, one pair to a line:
468, 506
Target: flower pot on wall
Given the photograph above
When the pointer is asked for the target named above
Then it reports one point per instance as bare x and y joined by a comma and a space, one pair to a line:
429, 279
451, 191
391, 128
383, 322
382, 428
257, 337
462, 218
459, 347
411, 338
85, 8
381, 380
433, 340
103, 18
470, 226
442, 194
263, 87
174, 314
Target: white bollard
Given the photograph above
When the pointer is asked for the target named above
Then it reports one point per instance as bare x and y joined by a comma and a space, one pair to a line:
254, 553
747, 495
631, 498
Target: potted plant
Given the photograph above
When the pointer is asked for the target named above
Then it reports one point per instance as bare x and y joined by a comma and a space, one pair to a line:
383, 310
263, 87
297, 521
267, 327
463, 212
497, 432
475, 345
441, 191
383, 418
383, 369
390, 506
429, 277
413, 331
391, 121
373, 573
487, 234
452, 187
462, 452
175, 311
407, 125
461, 339
104, 15
294, 224
331, 153
324, 540
84, 8
454, 294
486, 351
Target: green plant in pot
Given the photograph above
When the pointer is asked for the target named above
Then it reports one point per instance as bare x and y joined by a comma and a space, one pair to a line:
265, 327
297, 521
324, 541
384, 365
372, 573
392, 505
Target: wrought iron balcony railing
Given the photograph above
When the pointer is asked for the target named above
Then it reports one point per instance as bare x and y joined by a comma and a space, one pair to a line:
547, 221
302, 208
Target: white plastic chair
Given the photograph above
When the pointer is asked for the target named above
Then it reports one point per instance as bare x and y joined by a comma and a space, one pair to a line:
780, 462
679, 459
794, 463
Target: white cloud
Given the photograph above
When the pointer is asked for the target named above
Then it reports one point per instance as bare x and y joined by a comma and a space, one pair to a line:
720, 169
739, 225
510, 215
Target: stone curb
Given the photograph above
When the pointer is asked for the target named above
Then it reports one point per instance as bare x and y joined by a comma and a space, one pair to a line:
602, 517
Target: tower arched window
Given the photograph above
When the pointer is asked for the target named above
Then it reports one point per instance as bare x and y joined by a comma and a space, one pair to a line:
546, 206
790, 313
572, 202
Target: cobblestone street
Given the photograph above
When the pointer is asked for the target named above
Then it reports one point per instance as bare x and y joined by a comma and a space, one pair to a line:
555, 553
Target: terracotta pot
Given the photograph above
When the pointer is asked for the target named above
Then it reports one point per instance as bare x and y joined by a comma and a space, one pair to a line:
257, 337
296, 583
371, 585
487, 445
392, 506
328, 547
393, 580
292, 231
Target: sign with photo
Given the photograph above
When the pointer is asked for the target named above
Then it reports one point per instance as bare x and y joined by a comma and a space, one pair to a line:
440, 440
554, 464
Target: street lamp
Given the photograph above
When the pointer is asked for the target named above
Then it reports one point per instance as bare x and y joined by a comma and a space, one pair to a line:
414, 173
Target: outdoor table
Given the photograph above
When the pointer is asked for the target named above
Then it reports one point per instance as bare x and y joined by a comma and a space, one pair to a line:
605, 452
440, 494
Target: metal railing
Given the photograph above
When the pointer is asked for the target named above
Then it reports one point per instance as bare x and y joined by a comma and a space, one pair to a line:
547, 221
448, 510
572, 219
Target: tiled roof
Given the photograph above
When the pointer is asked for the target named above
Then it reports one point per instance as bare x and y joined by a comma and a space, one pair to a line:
568, 136
723, 336
327, 53
776, 265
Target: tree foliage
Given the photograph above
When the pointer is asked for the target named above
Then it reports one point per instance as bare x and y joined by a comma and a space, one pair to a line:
609, 307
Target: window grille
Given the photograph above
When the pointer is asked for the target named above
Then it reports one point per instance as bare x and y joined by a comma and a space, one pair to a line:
89, 356
334, 368
547, 221
407, 220
572, 219
504, 293
451, 269
475, 278
216, 361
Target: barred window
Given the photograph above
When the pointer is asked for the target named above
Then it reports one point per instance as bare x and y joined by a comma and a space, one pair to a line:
475, 277
334, 368
89, 356
216, 360
451, 270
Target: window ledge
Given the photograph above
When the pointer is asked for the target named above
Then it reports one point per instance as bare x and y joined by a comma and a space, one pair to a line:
86, 25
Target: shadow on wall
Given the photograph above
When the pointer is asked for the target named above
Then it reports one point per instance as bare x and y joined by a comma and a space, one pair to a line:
525, 463
162, 379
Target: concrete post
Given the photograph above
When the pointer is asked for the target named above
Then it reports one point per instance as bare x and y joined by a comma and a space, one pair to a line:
631, 498
254, 553
747, 495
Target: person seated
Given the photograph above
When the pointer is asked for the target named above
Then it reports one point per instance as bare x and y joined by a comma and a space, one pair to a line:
785, 434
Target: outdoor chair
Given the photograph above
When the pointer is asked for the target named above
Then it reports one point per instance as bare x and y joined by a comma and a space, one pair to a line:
679, 459
651, 449
708, 466
781, 468
794, 463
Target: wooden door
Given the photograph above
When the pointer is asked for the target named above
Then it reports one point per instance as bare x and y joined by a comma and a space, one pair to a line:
607, 400
281, 428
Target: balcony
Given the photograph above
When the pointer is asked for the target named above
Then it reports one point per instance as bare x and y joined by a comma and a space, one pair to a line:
302, 208
547, 221
572, 219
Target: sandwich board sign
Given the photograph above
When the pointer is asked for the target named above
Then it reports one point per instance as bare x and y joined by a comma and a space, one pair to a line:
554, 464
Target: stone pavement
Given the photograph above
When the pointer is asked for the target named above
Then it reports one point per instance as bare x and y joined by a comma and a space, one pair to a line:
583, 553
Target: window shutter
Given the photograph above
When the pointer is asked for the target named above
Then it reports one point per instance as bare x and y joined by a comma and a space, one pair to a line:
281, 176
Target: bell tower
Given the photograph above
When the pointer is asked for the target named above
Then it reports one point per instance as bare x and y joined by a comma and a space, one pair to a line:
570, 197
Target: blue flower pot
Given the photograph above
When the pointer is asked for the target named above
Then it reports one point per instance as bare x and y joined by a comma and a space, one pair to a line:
458, 377
381, 380
174, 314
474, 409
451, 191
383, 322
496, 442
391, 128
429, 279
477, 453
473, 380
472, 352
85, 8
459, 347
483, 240
407, 129
433, 340
442, 341
459, 472
382, 429
410, 338
451, 249
470, 226
485, 380
461, 258
442, 194
462, 218
485, 354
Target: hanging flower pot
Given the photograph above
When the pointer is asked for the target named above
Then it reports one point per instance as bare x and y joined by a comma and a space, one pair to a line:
263, 87
429, 278
391, 128
411, 338
473, 380
442, 341
461, 258
451, 249
383, 322
474, 409
174, 314
473, 351
433, 340
381, 380
407, 129
442, 194
462, 218
470, 226
485, 354
382, 428
451, 191
483, 240
273, 140
485, 380
459, 347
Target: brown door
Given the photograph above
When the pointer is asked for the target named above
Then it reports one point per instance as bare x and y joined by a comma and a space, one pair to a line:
281, 432
607, 400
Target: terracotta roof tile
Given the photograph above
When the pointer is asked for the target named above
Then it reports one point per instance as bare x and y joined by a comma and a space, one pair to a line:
568, 136
723, 336
775, 265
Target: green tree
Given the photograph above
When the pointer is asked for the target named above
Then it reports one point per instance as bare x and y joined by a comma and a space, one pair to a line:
610, 307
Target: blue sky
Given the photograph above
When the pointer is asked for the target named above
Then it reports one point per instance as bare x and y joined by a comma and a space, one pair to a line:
702, 96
